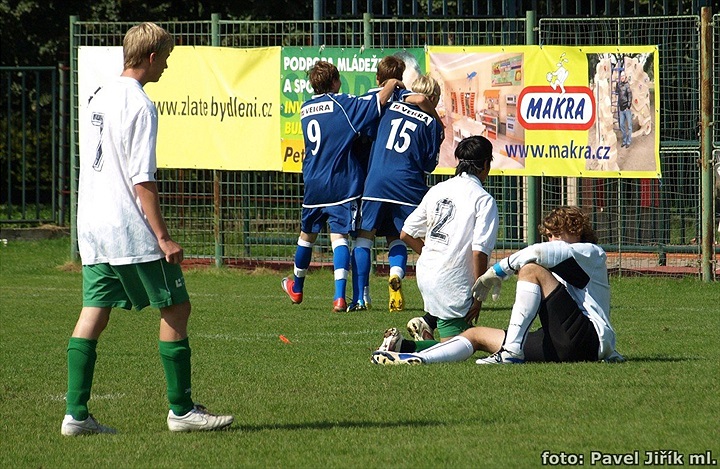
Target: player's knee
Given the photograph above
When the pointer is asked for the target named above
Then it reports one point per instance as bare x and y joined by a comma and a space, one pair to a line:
532, 273
178, 312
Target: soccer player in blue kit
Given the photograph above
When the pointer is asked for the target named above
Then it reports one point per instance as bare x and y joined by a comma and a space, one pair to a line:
333, 177
389, 67
405, 151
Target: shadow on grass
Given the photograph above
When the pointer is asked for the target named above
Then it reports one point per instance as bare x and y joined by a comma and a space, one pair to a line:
652, 359
324, 425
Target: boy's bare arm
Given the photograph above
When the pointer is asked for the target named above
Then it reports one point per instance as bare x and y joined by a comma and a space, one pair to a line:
150, 201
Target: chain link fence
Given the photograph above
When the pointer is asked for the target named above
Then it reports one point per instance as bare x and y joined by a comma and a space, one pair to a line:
647, 226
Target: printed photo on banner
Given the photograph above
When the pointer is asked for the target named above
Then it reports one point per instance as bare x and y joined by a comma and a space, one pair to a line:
479, 97
553, 110
625, 98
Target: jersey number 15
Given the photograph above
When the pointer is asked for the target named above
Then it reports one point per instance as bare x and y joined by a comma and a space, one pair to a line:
400, 141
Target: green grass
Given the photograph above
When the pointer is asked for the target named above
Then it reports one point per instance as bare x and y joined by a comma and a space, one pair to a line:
318, 402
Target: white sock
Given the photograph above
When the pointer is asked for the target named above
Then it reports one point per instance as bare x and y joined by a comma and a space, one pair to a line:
527, 303
456, 349
394, 270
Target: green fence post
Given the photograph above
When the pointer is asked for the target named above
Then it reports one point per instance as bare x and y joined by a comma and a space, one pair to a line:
706, 167
533, 208
73, 143
62, 123
217, 193
367, 30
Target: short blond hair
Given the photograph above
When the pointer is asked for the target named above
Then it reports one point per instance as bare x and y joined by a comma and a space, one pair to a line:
142, 40
427, 85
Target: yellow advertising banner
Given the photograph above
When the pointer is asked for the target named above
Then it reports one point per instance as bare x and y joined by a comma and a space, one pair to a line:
553, 110
214, 111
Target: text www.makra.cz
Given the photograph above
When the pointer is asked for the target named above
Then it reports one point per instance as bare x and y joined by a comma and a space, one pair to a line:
571, 151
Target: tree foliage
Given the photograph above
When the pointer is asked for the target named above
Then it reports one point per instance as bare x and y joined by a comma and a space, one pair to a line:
36, 32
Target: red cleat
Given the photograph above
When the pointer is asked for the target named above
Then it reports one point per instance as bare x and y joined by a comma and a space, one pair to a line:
287, 286
339, 305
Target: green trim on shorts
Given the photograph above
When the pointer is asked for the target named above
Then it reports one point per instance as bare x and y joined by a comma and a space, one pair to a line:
451, 327
155, 283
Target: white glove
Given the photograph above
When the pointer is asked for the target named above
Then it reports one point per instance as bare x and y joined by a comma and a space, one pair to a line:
489, 282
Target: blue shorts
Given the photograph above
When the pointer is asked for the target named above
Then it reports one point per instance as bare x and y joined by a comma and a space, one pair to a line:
386, 218
340, 218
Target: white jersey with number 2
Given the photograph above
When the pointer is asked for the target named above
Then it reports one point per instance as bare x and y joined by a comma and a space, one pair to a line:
456, 217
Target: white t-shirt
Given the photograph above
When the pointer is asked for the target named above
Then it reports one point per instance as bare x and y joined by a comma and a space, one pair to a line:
117, 151
456, 217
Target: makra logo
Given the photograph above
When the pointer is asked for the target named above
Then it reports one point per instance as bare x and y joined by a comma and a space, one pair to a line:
556, 106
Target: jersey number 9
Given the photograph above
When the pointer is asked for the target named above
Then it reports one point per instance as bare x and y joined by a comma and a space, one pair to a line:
314, 135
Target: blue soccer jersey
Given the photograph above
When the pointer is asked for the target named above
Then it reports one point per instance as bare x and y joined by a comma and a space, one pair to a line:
330, 123
362, 146
406, 149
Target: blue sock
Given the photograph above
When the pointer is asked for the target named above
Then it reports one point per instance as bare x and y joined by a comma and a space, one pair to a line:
397, 256
362, 258
363, 264
341, 263
302, 262
356, 292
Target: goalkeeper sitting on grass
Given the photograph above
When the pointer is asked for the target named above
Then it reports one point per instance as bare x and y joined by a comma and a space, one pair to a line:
563, 281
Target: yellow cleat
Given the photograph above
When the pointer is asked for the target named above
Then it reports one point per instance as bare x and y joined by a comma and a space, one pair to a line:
397, 301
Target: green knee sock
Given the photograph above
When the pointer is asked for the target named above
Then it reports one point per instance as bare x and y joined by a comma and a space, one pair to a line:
175, 358
412, 346
425, 344
81, 358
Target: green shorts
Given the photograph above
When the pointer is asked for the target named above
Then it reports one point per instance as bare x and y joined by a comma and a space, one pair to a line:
451, 327
156, 283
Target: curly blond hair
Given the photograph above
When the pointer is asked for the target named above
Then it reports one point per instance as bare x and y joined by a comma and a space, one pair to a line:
571, 220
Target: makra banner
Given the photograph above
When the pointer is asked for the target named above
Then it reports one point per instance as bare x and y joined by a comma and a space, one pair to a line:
553, 110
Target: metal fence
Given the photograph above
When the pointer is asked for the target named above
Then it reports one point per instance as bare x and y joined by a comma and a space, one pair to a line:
647, 226
504, 8
29, 159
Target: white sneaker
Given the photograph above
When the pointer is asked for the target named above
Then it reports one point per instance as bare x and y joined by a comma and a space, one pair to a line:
366, 297
198, 419
392, 340
89, 426
503, 357
394, 358
419, 329
614, 357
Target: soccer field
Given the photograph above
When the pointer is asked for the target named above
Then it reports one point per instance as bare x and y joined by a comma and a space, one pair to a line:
317, 401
